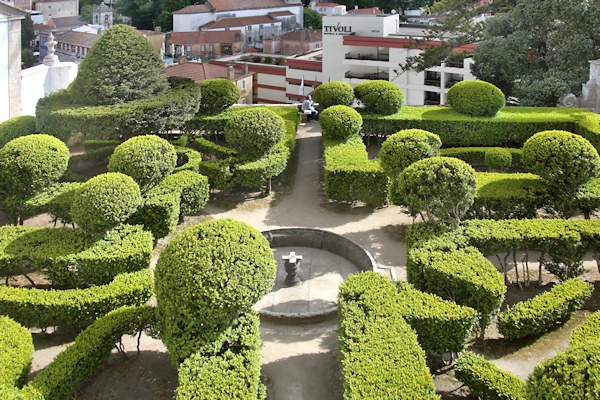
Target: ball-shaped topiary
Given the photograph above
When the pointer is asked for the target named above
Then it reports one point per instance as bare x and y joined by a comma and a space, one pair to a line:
253, 131
564, 159
340, 122
16, 127
147, 159
121, 66
217, 95
205, 278
442, 188
333, 94
498, 159
31, 163
407, 146
476, 98
380, 97
104, 202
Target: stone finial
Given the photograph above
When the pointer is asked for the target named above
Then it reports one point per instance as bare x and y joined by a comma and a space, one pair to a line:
51, 59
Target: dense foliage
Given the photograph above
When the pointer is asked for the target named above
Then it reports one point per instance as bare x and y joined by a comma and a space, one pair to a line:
217, 94
333, 94
476, 98
498, 159
407, 146
147, 159
253, 131
340, 122
380, 97
16, 352
17, 127
205, 277
121, 67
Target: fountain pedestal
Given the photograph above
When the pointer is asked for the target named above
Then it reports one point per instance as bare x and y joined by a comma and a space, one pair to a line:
292, 263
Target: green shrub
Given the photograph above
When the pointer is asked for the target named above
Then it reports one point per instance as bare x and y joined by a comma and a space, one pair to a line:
121, 66
205, 146
79, 361
405, 147
187, 159
486, 380
588, 332
39, 308
219, 173
255, 173
16, 127
498, 159
380, 97
571, 374
476, 98
192, 187
340, 122
254, 131
217, 95
333, 94
442, 326
105, 201
55, 200
564, 159
476, 155
13, 393
16, 352
373, 337
160, 212
147, 159
230, 372
442, 188
205, 277
545, 311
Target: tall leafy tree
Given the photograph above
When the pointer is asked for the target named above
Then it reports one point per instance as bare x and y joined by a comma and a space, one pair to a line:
143, 13
312, 19
27, 33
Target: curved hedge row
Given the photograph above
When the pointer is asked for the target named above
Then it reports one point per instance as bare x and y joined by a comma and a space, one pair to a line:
587, 332
16, 352
486, 380
70, 259
38, 308
545, 311
373, 337
17, 127
187, 159
476, 155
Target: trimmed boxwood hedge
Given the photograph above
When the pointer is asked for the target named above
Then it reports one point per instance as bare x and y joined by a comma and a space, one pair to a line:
379, 96
379, 351
16, 352
476, 155
588, 332
38, 308
476, 98
252, 132
187, 159
17, 127
498, 159
486, 380
544, 311
340, 122
334, 93
126, 249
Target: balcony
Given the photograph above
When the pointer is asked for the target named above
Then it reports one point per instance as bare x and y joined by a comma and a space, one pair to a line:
451, 83
455, 64
433, 82
367, 57
432, 102
367, 75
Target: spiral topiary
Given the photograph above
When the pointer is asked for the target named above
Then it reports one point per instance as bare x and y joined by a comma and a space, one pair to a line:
498, 159
147, 159
333, 94
476, 98
104, 202
253, 131
340, 122
205, 278
407, 146
217, 95
380, 97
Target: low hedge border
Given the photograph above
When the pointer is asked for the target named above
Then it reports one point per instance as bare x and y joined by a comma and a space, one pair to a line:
71, 259
476, 155
486, 380
544, 311
55, 200
39, 308
442, 326
588, 332
16, 352
373, 337
74, 365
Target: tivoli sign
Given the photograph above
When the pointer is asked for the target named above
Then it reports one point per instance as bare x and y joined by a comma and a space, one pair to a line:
336, 29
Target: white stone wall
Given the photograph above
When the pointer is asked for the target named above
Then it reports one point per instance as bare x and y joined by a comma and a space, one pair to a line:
58, 9
39, 81
4, 67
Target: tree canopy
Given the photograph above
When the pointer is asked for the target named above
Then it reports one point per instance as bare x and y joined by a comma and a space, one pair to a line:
312, 19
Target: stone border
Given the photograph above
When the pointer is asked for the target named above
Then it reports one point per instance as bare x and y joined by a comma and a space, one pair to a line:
322, 240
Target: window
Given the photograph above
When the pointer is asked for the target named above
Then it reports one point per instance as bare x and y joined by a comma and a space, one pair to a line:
243, 84
212, 48
203, 48
188, 48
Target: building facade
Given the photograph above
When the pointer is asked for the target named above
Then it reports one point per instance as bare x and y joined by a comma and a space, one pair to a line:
296, 42
57, 8
205, 45
10, 61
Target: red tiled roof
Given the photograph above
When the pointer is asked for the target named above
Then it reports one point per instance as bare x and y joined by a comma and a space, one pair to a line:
41, 27
281, 13
233, 5
205, 37
304, 35
240, 21
194, 9
372, 10
199, 72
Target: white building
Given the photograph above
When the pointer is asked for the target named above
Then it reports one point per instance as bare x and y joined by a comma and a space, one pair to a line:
57, 8
10, 61
192, 18
358, 48
327, 8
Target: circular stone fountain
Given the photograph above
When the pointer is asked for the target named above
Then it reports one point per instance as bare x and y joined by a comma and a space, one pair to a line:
311, 265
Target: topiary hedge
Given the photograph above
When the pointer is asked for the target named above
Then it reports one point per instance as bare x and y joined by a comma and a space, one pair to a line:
486, 380
498, 159
253, 131
374, 336
39, 308
333, 94
16, 352
405, 147
586, 332
380, 97
476, 98
147, 159
217, 94
476, 155
104, 202
545, 311
205, 277
16, 127
187, 159
340, 122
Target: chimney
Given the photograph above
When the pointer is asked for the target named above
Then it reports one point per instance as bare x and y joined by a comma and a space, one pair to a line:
230, 73
246, 69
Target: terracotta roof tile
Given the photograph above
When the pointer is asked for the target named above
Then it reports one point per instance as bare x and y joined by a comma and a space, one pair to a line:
199, 72
196, 37
281, 14
304, 35
241, 21
372, 10
234, 5
194, 9
327, 4
83, 39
